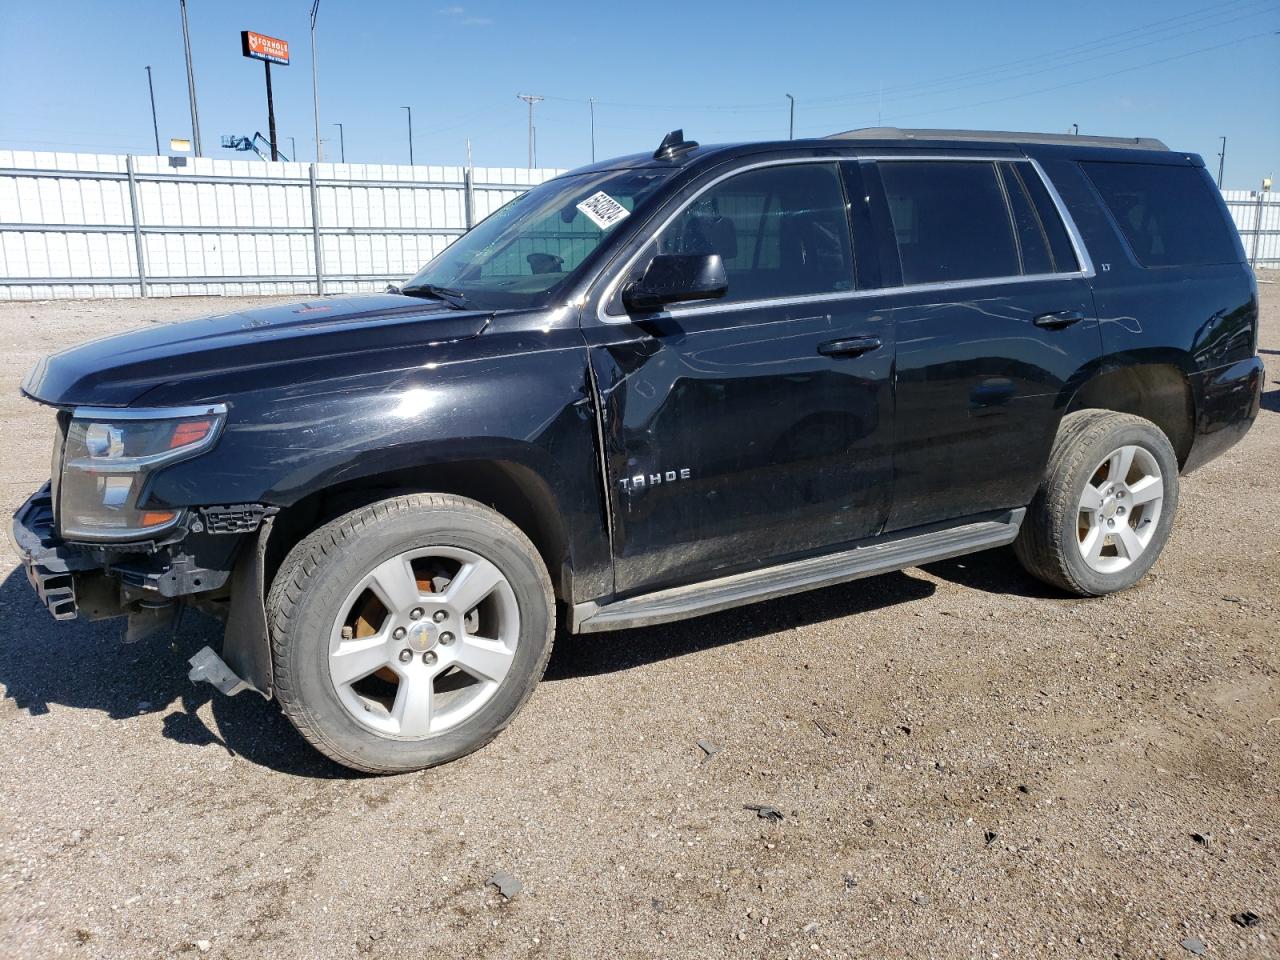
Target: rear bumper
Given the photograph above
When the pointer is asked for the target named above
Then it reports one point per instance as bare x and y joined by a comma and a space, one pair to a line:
49, 563
1227, 402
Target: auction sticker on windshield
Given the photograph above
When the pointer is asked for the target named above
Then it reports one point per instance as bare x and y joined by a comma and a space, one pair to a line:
604, 211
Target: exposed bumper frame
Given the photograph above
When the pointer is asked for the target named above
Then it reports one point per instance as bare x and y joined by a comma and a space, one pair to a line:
49, 563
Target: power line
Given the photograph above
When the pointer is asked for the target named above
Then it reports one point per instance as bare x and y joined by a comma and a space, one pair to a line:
1112, 39
1070, 83
1163, 25
1074, 61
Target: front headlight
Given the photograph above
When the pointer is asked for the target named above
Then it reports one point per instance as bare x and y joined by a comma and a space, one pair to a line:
111, 454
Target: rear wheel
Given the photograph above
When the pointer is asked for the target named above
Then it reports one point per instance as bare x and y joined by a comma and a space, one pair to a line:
1105, 507
409, 632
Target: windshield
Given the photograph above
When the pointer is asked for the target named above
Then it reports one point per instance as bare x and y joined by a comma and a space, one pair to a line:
525, 251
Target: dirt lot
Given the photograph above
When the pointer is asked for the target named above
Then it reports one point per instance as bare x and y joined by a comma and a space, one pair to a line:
968, 765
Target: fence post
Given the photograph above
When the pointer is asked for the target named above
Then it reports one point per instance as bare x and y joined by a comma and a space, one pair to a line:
315, 232
1257, 229
468, 198
137, 227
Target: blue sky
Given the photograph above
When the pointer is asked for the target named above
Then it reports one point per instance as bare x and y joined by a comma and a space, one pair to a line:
1187, 71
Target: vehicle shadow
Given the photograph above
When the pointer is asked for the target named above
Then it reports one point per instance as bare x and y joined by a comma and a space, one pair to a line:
994, 571
84, 665
1271, 400
593, 654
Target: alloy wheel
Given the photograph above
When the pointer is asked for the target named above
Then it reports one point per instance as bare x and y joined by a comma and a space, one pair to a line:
423, 641
1119, 509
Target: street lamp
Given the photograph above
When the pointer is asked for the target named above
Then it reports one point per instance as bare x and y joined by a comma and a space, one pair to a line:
155, 127
191, 81
410, 109
342, 143
315, 88
791, 134
591, 103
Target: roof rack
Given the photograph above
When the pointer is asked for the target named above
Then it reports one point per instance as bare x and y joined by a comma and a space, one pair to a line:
1007, 136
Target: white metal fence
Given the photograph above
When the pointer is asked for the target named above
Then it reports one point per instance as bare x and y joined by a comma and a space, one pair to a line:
1257, 217
99, 225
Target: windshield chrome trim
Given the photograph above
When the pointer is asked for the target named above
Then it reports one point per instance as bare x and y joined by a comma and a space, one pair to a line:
1084, 262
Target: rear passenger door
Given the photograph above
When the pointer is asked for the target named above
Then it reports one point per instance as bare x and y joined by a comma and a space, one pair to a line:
993, 318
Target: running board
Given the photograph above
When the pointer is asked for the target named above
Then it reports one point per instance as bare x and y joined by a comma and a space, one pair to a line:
884, 556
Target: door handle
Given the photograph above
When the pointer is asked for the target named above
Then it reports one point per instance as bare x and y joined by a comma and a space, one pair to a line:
853, 347
1059, 319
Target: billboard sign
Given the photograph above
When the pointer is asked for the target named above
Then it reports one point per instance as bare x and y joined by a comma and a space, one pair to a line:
259, 46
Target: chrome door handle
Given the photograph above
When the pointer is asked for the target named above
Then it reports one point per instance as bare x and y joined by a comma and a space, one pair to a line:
1058, 319
853, 347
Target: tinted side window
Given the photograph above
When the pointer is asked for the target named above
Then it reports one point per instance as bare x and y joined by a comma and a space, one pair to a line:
1033, 244
1168, 214
950, 220
781, 231
1064, 254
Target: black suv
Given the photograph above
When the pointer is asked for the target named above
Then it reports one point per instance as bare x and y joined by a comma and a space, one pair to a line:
650, 389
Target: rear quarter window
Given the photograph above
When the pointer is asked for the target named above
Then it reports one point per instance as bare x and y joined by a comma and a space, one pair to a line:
1168, 214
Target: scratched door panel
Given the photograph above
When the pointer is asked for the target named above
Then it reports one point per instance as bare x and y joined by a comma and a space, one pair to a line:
732, 442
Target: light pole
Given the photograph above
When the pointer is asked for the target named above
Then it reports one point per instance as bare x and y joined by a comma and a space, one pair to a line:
315, 87
155, 127
293, 148
191, 82
530, 99
791, 132
591, 103
1075, 129
410, 109
342, 143
1222, 159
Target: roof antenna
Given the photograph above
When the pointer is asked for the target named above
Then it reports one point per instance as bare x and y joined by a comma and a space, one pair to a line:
674, 144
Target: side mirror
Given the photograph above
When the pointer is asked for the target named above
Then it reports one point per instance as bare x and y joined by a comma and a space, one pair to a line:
672, 278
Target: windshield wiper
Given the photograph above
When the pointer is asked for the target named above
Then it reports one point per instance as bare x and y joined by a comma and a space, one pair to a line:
454, 298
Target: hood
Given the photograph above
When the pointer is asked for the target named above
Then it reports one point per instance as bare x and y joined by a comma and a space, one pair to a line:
118, 370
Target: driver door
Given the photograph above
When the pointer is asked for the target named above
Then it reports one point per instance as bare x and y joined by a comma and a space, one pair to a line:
754, 428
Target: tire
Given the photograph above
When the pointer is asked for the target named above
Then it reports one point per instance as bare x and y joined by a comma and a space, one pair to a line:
375, 585
1079, 499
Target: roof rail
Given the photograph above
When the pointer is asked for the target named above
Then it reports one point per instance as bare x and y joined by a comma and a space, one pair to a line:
1006, 136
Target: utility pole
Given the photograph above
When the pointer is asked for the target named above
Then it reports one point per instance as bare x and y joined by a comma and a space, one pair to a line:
1222, 159
191, 82
791, 134
410, 109
530, 99
591, 104
315, 87
342, 143
155, 127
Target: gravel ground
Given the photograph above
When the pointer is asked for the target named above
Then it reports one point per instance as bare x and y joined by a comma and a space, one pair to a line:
967, 764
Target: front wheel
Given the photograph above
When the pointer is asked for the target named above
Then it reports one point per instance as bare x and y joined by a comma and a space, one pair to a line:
409, 632
1105, 507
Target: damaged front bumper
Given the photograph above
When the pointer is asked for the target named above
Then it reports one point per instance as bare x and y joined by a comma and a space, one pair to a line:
216, 563
50, 564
